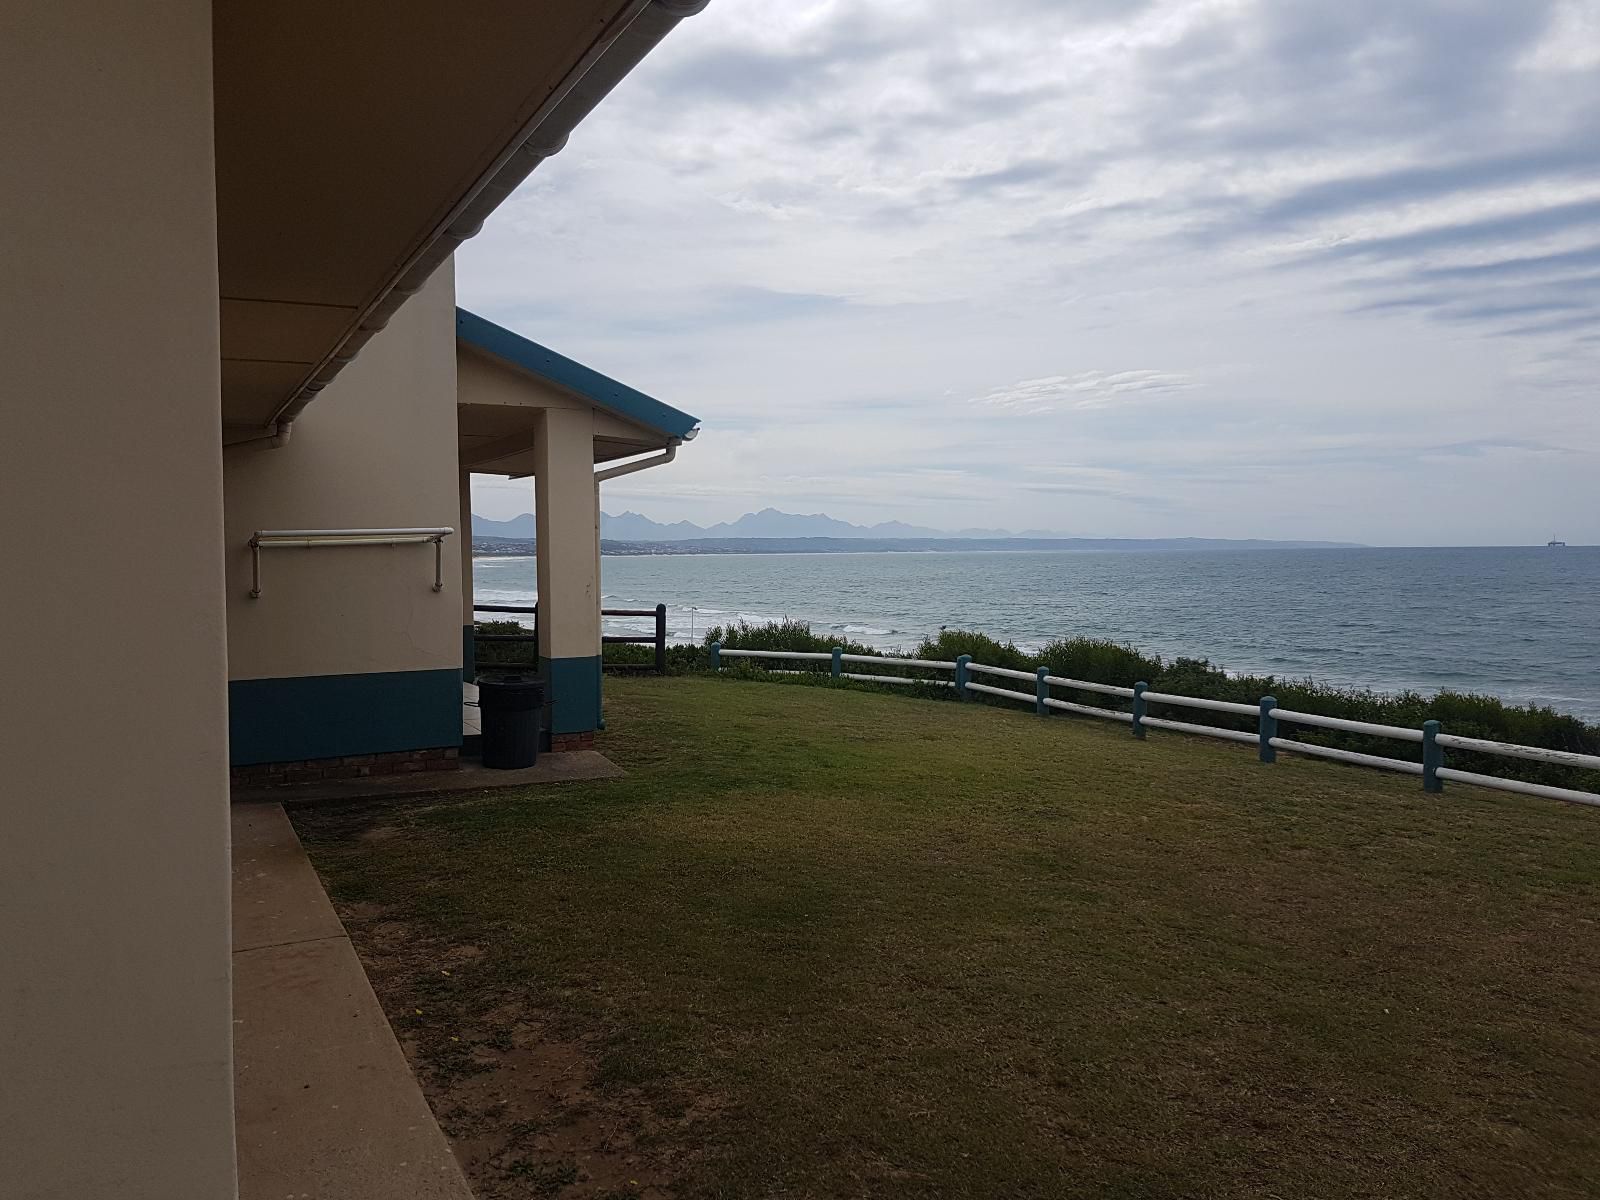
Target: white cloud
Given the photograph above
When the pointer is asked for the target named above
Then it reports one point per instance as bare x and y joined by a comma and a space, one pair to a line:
1091, 389
1267, 258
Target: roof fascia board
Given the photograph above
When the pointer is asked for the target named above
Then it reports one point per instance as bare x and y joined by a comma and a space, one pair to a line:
528, 356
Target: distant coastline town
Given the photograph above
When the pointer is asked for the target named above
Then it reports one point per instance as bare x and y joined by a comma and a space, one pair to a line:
773, 532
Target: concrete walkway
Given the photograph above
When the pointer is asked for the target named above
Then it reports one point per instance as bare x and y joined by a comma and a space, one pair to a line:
325, 1103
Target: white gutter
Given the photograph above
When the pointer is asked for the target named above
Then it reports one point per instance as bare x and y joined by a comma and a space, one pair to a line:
640, 464
616, 52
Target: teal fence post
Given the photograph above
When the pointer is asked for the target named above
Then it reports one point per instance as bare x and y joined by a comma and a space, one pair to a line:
716, 656
1432, 757
1139, 708
838, 661
1041, 691
1268, 729
961, 676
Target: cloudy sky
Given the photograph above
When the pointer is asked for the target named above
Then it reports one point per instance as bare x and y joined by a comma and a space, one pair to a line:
1276, 268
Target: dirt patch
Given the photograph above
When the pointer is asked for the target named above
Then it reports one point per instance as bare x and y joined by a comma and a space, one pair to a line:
366, 911
515, 1088
531, 1122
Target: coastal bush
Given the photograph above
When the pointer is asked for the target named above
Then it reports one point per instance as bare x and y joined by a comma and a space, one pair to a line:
490, 654
680, 656
1100, 661
779, 635
953, 643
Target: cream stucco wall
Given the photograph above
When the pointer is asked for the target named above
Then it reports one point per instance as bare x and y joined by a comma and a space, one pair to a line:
484, 386
115, 1024
482, 380
376, 450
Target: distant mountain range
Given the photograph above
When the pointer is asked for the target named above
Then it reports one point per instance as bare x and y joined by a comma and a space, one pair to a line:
771, 531
768, 523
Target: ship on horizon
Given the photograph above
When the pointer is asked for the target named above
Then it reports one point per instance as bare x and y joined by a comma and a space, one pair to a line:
1555, 544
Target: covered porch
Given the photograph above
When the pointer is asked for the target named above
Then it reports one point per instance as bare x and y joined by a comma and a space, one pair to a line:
526, 412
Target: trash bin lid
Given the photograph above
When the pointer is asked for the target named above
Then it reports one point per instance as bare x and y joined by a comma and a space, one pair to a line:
511, 683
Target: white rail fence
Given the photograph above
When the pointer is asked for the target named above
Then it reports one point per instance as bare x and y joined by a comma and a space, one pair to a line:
1267, 715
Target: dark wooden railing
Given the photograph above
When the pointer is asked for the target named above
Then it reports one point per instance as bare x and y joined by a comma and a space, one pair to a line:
658, 639
523, 609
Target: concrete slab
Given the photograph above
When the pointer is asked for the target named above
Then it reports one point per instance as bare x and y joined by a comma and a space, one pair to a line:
571, 766
325, 1104
277, 897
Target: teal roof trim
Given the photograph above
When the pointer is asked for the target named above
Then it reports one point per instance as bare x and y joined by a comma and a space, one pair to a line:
602, 390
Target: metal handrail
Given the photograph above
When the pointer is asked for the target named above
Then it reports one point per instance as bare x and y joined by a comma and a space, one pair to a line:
266, 539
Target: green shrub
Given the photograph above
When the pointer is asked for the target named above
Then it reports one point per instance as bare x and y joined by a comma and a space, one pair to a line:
680, 657
1100, 662
489, 654
780, 635
953, 643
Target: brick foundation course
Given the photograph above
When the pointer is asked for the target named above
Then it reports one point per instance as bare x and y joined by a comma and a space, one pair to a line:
352, 766
560, 742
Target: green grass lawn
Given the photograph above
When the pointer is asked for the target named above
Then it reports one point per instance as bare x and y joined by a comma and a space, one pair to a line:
822, 942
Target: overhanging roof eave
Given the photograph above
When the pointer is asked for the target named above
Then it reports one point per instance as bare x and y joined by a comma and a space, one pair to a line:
529, 357
615, 52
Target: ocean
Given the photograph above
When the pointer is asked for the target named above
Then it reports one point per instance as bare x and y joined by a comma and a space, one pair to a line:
1519, 623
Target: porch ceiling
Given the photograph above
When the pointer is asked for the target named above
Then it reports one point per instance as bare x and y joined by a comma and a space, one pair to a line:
500, 440
357, 143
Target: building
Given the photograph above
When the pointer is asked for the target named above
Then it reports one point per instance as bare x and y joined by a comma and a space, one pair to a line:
525, 410
348, 566
231, 311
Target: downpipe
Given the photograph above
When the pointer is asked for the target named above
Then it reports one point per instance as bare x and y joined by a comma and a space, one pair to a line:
642, 464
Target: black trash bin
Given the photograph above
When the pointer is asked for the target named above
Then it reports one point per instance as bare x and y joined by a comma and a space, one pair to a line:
511, 707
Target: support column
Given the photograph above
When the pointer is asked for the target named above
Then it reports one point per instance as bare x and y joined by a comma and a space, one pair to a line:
568, 516
115, 1017
469, 667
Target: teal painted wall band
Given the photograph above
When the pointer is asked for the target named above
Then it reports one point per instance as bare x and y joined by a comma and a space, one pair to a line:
1140, 707
1268, 729
572, 687
469, 653
330, 716
1432, 757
